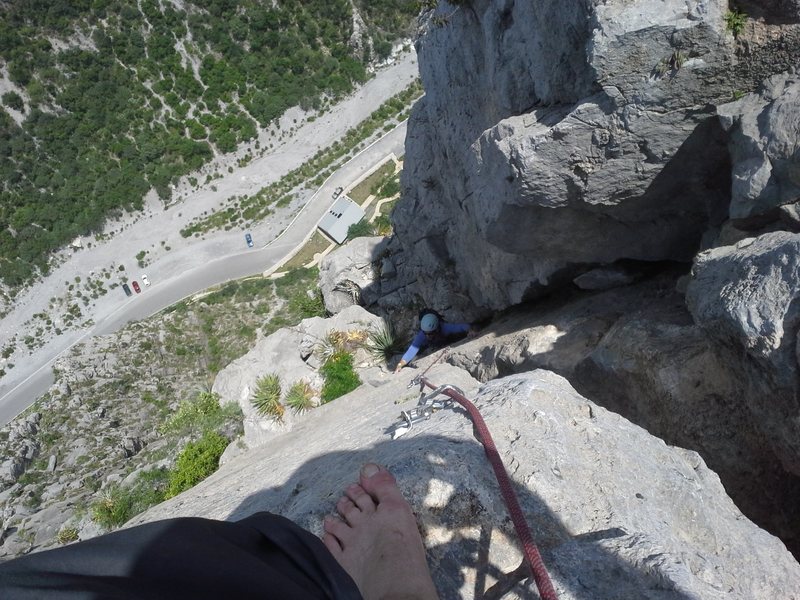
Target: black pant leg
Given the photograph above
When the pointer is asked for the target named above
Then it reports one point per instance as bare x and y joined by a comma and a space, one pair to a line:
263, 556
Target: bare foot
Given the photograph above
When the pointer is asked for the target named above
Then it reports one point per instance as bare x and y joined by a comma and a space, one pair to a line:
377, 541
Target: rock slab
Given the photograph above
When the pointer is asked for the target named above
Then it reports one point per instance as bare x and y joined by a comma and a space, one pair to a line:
615, 511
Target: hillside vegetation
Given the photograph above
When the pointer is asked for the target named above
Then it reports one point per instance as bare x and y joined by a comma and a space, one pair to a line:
104, 100
131, 419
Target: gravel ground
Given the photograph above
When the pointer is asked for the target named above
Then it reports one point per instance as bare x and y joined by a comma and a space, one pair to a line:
158, 228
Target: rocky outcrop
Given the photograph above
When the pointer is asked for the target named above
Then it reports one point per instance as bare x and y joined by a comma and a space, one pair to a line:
20, 448
553, 138
349, 275
616, 512
289, 354
597, 144
746, 298
765, 149
637, 351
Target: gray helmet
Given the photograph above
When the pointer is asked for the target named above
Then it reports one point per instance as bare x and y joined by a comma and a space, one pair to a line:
429, 323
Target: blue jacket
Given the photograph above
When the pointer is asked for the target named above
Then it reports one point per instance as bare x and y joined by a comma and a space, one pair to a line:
421, 340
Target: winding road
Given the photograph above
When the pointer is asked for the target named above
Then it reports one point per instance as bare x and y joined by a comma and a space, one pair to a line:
225, 268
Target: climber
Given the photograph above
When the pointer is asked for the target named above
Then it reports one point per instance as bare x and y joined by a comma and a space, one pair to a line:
433, 331
372, 549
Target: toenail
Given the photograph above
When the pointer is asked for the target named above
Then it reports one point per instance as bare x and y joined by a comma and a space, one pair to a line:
370, 469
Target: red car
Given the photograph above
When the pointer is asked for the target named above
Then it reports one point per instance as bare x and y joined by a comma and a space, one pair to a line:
136, 287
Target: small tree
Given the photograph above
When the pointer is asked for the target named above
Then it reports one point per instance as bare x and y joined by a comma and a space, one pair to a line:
361, 229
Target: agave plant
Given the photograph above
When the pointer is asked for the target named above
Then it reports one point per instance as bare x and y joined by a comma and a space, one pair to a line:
383, 343
329, 345
267, 397
339, 341
300, 396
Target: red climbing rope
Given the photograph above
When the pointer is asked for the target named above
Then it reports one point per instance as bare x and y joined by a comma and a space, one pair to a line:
529, 549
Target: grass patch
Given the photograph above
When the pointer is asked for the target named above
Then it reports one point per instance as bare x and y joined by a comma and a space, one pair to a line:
318, 243
340, 378
267, 397
372, 184
67, 535
119, 504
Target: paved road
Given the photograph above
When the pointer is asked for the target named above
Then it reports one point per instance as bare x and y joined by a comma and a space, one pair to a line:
226, 268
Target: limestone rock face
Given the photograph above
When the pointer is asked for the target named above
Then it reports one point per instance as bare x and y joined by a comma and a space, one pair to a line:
553, 135
615, 512
347, 275
765, 147
637, 351
746, 297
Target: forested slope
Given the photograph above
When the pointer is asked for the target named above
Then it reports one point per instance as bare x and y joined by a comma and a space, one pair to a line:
103, 100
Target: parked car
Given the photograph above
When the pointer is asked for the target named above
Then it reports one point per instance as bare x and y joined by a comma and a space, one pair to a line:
136, 287
145, 280
126, 289
249, 239
337, 192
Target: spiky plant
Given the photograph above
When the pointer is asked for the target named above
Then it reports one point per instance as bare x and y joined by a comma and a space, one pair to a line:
383, 343
267, 397
300, 396
332, 343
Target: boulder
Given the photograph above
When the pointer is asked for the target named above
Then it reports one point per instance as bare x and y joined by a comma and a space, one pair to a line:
616, 513
746, 297
636, 351
554, 136
348, 274
764, 131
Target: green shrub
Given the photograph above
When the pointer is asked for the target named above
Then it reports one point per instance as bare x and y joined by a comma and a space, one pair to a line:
735, 21
120, 504
197, 461
14, 100
303, 306
361, 229
201, 413
267, 397
300, 396
340, 378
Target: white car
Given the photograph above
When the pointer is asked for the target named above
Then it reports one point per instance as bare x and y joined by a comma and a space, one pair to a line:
145, 280
337, 192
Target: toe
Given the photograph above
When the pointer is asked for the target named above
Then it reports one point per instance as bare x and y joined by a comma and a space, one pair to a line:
338, 529
348, 510
360, 498
332, 544
380, 484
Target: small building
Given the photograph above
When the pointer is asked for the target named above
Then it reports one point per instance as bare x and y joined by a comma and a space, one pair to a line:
342, 213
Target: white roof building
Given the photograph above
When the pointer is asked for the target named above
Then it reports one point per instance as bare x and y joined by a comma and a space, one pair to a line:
342, 213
